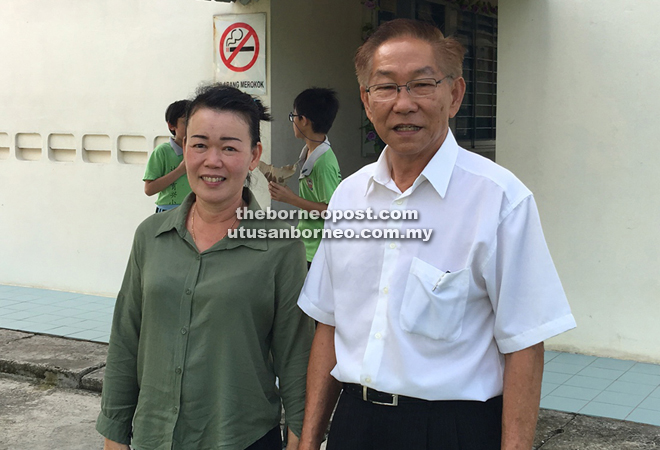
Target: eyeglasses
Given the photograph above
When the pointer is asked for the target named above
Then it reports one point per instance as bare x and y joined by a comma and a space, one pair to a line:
292, 115
416, 88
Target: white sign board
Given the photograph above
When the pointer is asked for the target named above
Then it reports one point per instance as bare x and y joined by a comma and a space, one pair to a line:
240, 51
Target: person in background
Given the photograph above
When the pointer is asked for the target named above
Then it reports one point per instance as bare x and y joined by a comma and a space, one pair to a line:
436, 344
165, 174
314, 111
205, 323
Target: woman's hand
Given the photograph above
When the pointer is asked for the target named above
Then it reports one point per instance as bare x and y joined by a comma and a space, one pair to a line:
112, 445
292, 440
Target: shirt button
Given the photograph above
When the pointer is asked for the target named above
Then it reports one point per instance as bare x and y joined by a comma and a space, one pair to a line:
175, 410
385, 290
368, 379
199, 257
178, 370
392, 245
184, 330
188, 291
399, 202
378, 335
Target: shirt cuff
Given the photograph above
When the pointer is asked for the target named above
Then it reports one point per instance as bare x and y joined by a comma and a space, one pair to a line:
536, 335
314, 312
114, 430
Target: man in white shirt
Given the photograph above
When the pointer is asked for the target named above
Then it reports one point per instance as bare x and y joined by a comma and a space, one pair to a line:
438, 344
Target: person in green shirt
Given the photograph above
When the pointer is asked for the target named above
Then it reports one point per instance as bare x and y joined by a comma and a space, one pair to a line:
165, 174
314, 111
205, 321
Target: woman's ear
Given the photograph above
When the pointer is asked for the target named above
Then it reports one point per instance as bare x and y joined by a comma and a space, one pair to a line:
256, 156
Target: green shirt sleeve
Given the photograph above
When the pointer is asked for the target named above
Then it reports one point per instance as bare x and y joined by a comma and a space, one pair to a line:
293, 331
156, 166
120, 385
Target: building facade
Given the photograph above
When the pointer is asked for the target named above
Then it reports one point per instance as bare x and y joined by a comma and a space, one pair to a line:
84, 88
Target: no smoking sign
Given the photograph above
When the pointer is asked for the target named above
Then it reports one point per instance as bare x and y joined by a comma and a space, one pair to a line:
240, 47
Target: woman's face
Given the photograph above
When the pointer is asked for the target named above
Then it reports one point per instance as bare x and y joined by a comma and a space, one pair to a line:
219, 154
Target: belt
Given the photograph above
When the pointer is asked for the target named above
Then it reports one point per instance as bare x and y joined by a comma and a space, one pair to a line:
379, 398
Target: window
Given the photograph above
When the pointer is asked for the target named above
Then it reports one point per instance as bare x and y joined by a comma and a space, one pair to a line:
474, 125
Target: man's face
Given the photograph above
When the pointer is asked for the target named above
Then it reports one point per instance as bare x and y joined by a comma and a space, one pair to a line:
296, 125
411, 126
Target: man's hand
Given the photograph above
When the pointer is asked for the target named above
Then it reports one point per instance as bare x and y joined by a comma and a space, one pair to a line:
112, 445
523, 372
322, 389
281, 193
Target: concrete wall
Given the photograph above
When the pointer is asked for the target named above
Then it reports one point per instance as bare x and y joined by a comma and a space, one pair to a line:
578, 98
74, 71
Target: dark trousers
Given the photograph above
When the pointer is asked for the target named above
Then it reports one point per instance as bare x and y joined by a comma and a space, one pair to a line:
271, 441
440, 425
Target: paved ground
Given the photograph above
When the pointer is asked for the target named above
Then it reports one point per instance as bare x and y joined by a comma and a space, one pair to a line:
49, 399
43, 417
573, 383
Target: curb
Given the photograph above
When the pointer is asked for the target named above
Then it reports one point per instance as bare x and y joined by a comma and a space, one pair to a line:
55, 361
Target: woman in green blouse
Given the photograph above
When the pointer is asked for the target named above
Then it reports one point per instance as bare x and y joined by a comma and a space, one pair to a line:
204, 322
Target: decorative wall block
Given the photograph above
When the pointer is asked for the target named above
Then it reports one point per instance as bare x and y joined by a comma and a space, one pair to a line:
61, 147
28, 146
4, 146
133, 149
96, 148
161, 140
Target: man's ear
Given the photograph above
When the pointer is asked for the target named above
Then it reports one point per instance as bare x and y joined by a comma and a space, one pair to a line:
364, 96
457, 93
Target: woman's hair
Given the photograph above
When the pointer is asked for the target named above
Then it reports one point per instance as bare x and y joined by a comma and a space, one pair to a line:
225, 98
448, 51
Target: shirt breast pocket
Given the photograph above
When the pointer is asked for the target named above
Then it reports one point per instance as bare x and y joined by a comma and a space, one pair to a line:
434, 301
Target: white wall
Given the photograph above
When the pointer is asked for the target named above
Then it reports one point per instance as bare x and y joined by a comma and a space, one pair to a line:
73, 67
578, 94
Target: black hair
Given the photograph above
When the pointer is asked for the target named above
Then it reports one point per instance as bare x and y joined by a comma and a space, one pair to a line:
176, 111
320, 105
219, 97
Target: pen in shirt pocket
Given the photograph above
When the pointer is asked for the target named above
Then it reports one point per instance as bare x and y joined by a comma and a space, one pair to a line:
439, 280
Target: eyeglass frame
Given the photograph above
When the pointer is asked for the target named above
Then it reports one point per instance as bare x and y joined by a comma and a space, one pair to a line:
292, 115
407, 86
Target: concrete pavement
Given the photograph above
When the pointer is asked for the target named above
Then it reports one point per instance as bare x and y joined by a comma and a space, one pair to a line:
49, 399
37, 416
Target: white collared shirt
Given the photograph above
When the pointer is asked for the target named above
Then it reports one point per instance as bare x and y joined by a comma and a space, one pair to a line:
433, 319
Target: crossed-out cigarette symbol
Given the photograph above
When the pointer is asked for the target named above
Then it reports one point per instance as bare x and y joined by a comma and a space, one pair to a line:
234, 38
